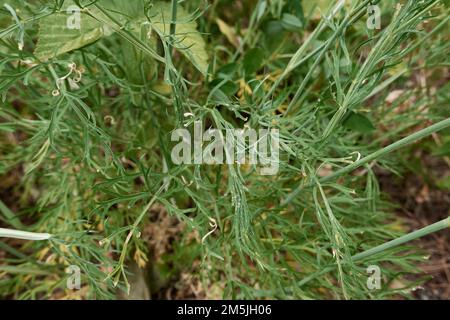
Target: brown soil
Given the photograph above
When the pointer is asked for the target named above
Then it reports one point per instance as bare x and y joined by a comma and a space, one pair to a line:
422, 203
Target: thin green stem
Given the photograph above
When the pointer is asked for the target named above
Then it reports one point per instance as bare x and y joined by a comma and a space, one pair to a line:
435, 227
11, 218
342, 27
117, 27
377, 154
173, 22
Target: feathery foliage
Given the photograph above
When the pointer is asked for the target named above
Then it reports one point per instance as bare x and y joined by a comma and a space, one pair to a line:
86, 117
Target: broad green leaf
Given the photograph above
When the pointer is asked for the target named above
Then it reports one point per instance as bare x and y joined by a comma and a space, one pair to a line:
229, 88
59, 33
188, 40
227, 70
291, 23
358, 122
274, 34
253, 60
124, 8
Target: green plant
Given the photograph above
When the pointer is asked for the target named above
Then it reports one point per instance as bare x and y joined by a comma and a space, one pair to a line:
85, 125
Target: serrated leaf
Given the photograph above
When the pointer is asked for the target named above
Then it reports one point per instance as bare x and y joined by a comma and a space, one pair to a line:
57, 34
55, 37
188, 40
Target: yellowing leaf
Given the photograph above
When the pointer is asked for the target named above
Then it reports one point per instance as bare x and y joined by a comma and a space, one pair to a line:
228, 32
320, 7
